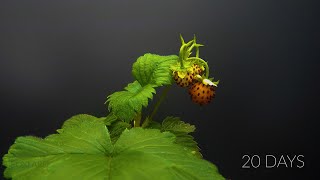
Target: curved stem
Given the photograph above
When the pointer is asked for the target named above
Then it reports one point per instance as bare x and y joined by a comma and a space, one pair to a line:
156, 107
204, 63
162, 97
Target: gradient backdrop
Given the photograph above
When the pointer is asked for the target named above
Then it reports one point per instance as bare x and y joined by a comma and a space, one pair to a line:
61, 58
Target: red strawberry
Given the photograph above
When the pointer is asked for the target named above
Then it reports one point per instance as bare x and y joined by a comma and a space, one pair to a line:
202, 94
189, 77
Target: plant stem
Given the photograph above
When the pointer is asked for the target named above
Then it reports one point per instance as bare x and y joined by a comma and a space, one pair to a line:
156, 107
181, 56
162, 97
197, 51
137, 120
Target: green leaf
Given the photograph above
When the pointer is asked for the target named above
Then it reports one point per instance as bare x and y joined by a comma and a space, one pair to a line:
126, 104
154, 69
150, 71
116, 130
186, 140
154, 154
110, 119
174, 124
82, 149
115, 126
181, 129
153, 125
82, 142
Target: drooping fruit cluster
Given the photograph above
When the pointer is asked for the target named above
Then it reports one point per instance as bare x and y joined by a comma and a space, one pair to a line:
201, 93
186, 78
189, 72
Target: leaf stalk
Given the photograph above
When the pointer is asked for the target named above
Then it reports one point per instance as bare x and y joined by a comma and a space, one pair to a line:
156, 107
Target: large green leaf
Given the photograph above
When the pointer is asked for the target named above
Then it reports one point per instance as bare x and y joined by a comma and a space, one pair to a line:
82, 143
82, 149
126, 104
154, 69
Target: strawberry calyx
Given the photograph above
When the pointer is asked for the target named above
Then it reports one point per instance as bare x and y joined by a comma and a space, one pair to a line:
185, 76
186, 50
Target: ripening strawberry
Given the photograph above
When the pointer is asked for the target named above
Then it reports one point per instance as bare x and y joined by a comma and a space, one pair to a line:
202, 92
187, 78
197, 69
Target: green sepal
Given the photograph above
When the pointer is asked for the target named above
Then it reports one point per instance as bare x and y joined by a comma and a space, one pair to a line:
187, 68
216, 82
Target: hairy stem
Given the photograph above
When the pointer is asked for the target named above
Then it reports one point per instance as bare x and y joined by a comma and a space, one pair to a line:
156, 107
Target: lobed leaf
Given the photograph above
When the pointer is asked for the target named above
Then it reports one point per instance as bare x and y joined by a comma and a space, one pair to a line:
82, 149
181, 130
126, 104
82, 142
176, 125
150, 71
154, 69
186, 140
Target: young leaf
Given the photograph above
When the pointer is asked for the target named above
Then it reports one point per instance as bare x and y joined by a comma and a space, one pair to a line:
83, 150
126, 104
154, 69
115, 126
110, 119
150, 71
174, 124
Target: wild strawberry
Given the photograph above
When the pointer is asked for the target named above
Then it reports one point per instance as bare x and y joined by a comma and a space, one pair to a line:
185, 81
202, 92
186, 77
197, 69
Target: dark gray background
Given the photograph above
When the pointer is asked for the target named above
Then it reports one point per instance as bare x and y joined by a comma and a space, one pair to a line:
61, 58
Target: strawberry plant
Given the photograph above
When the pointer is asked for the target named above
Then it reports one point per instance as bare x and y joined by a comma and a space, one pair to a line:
126, 144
